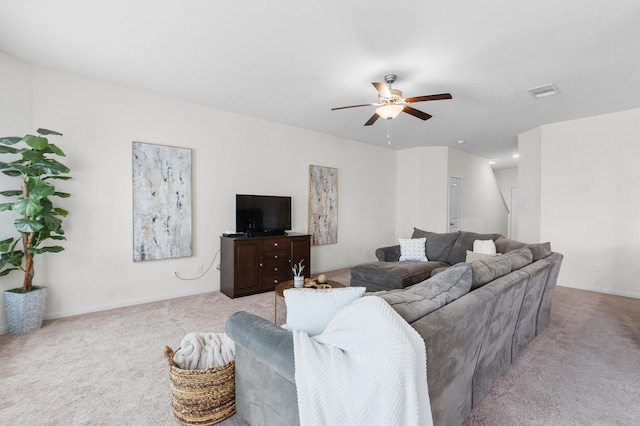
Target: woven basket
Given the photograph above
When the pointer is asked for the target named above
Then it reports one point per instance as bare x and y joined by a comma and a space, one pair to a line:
202, 397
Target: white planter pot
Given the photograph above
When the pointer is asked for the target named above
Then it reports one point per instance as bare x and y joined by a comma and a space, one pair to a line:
298, 281
25, 311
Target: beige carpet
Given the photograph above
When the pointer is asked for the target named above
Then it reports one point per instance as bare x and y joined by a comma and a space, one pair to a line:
108, 368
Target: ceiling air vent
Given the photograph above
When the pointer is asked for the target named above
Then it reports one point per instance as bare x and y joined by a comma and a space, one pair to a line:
543, 91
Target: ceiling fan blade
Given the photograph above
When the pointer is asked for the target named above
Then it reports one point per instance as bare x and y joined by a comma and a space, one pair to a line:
351, 106
429, 98
372, 120
382, 89
416, 113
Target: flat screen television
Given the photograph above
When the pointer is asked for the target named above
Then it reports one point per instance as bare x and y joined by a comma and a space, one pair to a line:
263, 214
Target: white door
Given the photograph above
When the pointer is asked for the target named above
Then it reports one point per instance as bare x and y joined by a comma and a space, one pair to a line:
455, 204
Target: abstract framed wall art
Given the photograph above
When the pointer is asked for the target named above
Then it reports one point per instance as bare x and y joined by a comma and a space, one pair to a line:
161, 202
323, 205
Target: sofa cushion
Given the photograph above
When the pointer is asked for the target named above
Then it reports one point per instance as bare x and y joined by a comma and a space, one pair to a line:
463, 243
413, 249
472, 256
484, 246
540, 250
504, 245
377, 276
311, 310
425, 297
485, 270
438, 246
520, 257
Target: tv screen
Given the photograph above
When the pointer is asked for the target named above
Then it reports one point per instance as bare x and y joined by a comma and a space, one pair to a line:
262, 213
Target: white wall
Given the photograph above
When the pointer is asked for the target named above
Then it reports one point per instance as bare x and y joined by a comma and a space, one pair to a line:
590, 199
231, 154
583, 181
421, 191
507, 179
483, 208
529, 186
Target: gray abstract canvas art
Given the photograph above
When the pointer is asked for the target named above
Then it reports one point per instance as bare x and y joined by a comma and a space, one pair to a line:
323, 205
161, 202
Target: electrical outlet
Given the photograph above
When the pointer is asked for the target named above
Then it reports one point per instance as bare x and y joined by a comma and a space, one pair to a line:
199, 269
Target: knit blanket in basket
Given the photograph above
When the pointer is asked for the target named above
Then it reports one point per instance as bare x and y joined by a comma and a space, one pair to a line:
369, 367
204, 350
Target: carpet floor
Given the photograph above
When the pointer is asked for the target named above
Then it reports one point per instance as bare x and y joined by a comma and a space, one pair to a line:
108, 368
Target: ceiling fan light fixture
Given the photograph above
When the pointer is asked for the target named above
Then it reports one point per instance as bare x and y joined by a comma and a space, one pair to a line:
389, 111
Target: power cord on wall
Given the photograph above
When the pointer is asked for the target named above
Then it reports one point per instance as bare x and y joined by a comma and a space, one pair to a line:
177, 274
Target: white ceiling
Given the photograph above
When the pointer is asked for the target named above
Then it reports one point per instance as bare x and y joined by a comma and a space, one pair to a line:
292, 61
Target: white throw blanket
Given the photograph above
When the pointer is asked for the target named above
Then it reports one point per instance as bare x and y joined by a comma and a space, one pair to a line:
204, 350
367, 368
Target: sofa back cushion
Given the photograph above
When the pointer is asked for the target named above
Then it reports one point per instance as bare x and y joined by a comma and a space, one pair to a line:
423, 298
519, 258
489, 269
463, 243
438, 246
505, 245
540, 250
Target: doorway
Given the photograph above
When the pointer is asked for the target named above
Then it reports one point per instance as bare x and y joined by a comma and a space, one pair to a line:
455, 204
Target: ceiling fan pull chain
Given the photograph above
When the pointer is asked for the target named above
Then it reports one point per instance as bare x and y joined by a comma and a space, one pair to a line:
389, 131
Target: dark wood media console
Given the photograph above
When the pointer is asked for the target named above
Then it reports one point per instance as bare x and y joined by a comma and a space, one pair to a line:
257, 264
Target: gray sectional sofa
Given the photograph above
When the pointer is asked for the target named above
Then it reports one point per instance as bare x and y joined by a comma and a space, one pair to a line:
475, 318
443, 250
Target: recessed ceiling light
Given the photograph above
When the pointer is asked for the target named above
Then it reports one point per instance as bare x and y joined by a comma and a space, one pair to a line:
543, 91
516, 155
461, 141
492, 162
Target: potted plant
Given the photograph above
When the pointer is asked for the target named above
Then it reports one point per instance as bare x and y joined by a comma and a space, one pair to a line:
298, 278
29, 159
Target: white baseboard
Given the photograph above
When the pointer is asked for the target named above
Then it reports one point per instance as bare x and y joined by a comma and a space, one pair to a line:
601, 290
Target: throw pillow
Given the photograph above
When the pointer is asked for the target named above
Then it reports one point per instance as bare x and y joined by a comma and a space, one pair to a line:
423, 298
311, 310
484, 246
438, 245
473, 256
413, 249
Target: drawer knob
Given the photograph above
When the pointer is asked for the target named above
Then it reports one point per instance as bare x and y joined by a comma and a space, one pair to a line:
275, 244
275, 281
261, 265
275, 257
275, 269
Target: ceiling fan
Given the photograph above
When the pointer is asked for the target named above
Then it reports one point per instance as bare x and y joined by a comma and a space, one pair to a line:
391, 103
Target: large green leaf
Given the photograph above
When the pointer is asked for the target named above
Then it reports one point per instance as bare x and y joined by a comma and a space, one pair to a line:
27, 225
54, 149
50, 166
40, 189
62, 194
11, 258
11, 140
60, 212
6, 206
6, 271
56, 177
48, 132
33, 155
11, 193
12, 173
5, 245
50, 249
7, 150
52, 223
27, 207
36, 142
